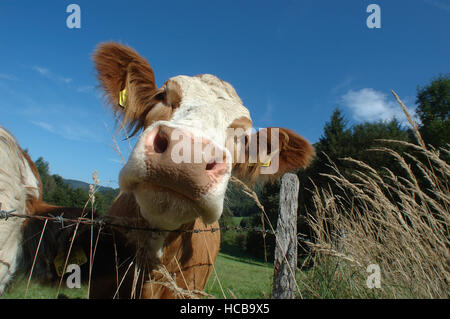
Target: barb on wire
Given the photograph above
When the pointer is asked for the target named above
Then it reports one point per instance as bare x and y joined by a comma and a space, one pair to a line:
101, 222
59, 219
5, 214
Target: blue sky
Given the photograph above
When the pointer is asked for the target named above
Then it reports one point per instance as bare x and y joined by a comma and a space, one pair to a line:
291, 62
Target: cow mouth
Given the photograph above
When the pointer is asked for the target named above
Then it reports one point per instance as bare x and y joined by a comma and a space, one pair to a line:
172, 194
151, 187
166, 203
168, 207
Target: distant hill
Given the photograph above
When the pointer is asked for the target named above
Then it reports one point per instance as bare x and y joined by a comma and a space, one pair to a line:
85, 186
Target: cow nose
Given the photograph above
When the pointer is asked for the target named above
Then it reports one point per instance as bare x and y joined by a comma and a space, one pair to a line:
180, 161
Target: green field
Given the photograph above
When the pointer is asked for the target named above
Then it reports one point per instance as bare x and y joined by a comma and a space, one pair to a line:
18, 290
236, 277
240, 278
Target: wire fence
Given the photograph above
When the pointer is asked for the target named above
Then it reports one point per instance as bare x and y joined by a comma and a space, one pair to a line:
104, 222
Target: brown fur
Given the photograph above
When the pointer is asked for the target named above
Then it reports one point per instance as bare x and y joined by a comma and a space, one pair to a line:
34, 170
173, 94
294, 153
121, 67
189, 256
242, 122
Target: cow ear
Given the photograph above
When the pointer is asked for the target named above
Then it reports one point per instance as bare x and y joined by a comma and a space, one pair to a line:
128, 82
271, 152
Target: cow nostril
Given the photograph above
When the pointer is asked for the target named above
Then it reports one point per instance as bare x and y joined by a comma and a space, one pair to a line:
216, 168
211, 165
160, 143
217, 164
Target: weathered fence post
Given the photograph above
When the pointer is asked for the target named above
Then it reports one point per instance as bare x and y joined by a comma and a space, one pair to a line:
285, 264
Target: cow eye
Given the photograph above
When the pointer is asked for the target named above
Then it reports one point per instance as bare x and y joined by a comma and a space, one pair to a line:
161, 96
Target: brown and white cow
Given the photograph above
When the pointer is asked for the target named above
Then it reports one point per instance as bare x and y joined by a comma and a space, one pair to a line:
19, 185
21, 190
166, 186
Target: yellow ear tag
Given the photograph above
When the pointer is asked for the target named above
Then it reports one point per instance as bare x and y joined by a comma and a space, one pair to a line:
123, 98
267, 164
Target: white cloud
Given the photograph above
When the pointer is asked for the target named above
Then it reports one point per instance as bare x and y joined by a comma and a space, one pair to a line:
9, 77
268, 113
47, 73
77, 132
42, 71
341, 85
370, 105
85, 88
265, 117
45, 126
439, 4
72, 131
50, 75
115, 160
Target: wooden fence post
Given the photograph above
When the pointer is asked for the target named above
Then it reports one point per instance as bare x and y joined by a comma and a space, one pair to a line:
285, 264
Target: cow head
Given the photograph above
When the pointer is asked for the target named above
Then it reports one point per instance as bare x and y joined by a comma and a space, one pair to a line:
180, 166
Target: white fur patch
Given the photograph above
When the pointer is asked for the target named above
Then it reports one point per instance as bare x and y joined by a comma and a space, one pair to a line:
208, 106
17, 183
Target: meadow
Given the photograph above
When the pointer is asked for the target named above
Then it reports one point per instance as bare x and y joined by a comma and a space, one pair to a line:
236, 278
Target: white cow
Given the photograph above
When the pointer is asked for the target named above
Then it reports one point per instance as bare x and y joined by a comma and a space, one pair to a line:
19, 187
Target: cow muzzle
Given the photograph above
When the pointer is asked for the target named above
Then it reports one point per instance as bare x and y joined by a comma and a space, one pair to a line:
184, 167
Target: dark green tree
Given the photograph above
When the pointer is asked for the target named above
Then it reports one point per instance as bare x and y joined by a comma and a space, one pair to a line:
335, 138
433, 109
57, 192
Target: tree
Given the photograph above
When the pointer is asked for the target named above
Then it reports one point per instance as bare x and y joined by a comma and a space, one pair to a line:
366, 136
335, 136
339, 141
433, 109
57, 192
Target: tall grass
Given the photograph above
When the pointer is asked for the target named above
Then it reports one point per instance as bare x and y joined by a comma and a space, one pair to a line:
399, 222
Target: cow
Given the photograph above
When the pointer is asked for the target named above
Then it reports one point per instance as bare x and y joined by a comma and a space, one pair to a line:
19, 186
21, 192
167, 186
22, 248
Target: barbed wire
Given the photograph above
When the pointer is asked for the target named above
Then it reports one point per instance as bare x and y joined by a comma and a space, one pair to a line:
4, 214
103, 222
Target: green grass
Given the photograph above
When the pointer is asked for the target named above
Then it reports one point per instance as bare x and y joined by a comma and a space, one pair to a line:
332, 278
240, 278
237, 220
36, 290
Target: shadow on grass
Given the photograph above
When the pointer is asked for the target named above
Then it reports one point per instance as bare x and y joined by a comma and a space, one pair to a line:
236, 253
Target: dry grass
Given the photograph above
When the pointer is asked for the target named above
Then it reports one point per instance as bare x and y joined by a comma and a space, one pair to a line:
399, 222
